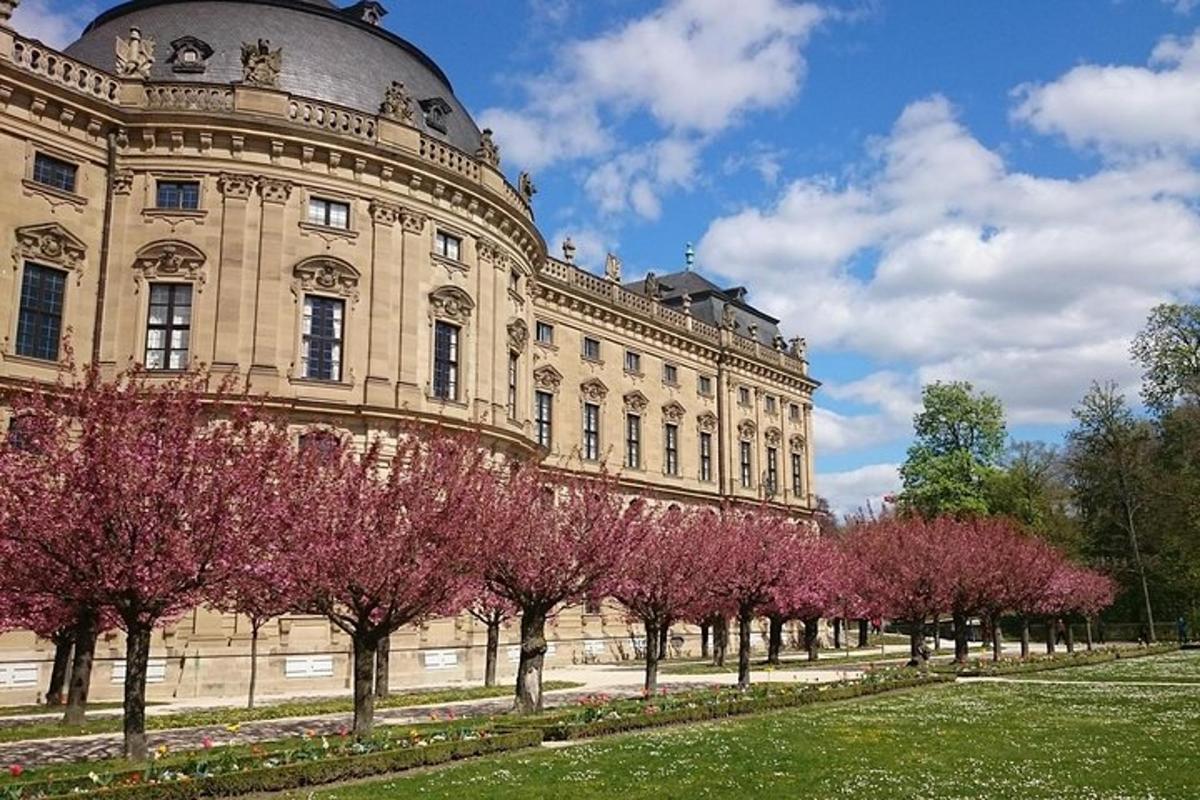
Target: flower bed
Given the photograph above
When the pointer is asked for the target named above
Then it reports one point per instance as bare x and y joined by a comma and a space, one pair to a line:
1015, 666
597, 716
291, 764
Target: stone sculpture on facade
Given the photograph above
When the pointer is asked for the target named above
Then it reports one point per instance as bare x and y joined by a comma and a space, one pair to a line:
397, 103
612, 268
568, 250
7, 7
729, 317
261, 65
136, 56
799, 348
526, 186
652, 287
489, 151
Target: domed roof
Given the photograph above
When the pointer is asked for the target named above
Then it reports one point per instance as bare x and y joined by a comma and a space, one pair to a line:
328, 53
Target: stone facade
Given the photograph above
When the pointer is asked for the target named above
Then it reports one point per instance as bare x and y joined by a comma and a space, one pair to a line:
432, 235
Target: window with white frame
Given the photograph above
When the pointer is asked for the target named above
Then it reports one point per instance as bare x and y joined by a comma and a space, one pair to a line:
797, 474
514, 363
671, 448
168, 326
747, 465
321, 338
445, 360
591, 431
633, 441
447, 245
329, 213
705, 456
543, 415
39, 316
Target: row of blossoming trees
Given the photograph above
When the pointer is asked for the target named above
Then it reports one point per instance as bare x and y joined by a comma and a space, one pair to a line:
126, 505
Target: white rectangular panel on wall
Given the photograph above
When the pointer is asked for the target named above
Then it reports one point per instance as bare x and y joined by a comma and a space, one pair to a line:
595, 647
156, 670
308, 667
440, 659
18, 676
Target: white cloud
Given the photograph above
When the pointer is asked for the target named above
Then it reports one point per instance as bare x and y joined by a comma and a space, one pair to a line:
940, 257
1120, 108
55, 25
1182, 7
636, 178
852, 490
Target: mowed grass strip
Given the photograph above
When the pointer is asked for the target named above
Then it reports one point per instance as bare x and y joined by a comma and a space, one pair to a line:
45, 729
1181, 666
964, 741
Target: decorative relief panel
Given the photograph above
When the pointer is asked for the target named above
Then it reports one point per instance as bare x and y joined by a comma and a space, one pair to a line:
451, 303
747, 430
636, 402
170, 259
797, 442
773, 437
326, 274
673, 413
547, 378
122, 181
707, 422
593, 390
413, 221
518, 335
50, 243
274, 190
385, 213
236, 185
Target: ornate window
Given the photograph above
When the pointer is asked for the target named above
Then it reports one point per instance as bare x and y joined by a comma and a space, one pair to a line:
798, 474
39, 320
445, 360
671, 448
705, 456
452, 304
326, 275
543, 415
591, 431
321, 338
772, 471
169, 326
633, 441
514, 364
745, 451
54, 172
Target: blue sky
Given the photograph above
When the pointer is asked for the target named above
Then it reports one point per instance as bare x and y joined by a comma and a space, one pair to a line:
995, 192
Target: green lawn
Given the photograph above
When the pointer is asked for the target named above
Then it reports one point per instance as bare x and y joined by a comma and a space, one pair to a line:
830, 659
43, 729
1182, 666
961, 741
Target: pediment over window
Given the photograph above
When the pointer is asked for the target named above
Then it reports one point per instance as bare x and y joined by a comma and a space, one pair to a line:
50, 243
673, 412
593, 390
773, 437
451, 303
518, 335
170, 259
326, 274
747, 430
707, 422
636, 402
797, 442
547, 378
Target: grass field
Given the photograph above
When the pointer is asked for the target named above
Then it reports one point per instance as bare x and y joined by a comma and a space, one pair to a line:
969, 740
1182, 666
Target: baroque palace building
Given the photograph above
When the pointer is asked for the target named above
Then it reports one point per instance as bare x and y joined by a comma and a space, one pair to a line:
285, 190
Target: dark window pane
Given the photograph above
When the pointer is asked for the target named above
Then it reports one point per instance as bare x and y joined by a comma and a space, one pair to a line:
54, 172
178, 194
39, 321
322, 340
168, 328
445, 361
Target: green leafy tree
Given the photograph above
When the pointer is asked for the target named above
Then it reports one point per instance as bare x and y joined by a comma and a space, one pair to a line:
959, 439
1033, 487
1111, 465
1168, 349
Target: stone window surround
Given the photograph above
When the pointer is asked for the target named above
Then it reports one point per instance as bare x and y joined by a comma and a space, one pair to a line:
308, 193
48, 244
453, 305
53, 193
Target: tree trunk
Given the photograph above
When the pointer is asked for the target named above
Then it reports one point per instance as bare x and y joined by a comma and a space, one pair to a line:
533, 655
1087, 629
81, 667
255, 627
653, 641
364, 684
745, 615
137, 659
1024, 637
1070, 639
64, 640
774, 639
493, 650
916, 644
864, 633
997, 646
810, 638
383, 656
720, 641
937, 634
664, 634
837, 633
961, 648
704, 629
1051, 636
1137, 560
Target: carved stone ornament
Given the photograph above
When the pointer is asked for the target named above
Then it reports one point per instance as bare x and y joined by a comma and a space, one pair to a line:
568, 250
526, 186
798, 348
746, 430
673, 413
189, 55
636, 402
274, 190
397, 103
384, 213
593, 390
796, 442
486, 249
261, 65
122, 181
518, 335
170, 259
136, 56
489, 151
651, 286
612, 268
452, 303
413, 221
686, 303
49, 243
326, 274
547, 378
7, 7
707, 422
773, 437
236, 185
728, 317
436, 110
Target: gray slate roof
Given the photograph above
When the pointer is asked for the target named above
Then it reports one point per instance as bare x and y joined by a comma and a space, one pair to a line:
326, 55
708, 302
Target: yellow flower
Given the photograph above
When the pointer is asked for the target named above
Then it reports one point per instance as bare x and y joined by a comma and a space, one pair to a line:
233, 727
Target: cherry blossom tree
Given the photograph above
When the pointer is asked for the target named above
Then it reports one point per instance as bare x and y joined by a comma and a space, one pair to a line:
810, 588
546, 542
1093, 593
145, 494
385, 540
491, 611
756, 545
659, 581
